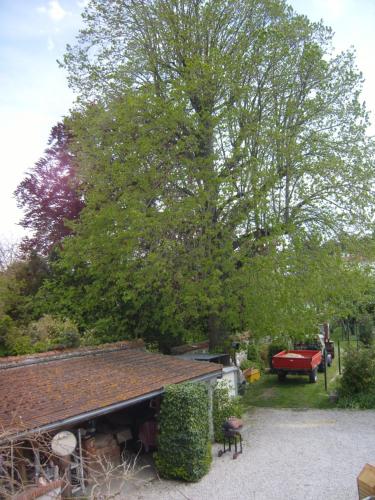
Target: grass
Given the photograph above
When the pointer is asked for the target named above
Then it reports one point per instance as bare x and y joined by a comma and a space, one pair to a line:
294, 392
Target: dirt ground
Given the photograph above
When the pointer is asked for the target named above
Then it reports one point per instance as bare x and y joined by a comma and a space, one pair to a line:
288, 455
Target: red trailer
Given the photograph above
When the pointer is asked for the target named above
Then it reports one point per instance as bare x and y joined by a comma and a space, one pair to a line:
301, 362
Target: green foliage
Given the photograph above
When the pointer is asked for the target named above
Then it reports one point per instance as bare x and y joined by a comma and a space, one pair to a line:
6, 325
254, 356
248, 363
18, 343
19, 284
360, 401
47, 333
253, 351
211, 206
54, 332
224, 407
366, 329
358, 376
251, 363
12, 340
184, 450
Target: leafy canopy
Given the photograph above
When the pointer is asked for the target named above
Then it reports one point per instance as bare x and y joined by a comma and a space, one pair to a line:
223, 148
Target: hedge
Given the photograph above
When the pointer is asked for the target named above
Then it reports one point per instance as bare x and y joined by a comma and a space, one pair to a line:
184, 449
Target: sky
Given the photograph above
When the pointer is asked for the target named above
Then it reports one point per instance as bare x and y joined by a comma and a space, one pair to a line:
34, 94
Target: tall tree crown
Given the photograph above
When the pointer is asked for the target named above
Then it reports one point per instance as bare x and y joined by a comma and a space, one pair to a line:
219, 139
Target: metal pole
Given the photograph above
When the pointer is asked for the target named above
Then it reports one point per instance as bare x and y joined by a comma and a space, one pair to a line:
325, 369
81, 470
357, 331
339, 352
12, 467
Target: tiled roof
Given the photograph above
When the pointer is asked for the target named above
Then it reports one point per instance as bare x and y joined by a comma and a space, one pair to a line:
36, 391
70, 352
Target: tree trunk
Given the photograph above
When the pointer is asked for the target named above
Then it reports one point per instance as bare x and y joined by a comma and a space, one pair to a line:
215, 331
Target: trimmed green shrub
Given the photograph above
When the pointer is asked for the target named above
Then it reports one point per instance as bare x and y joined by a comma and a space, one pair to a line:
184, 449
224, 407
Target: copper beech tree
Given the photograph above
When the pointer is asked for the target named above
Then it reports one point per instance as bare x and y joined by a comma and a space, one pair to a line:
50, 195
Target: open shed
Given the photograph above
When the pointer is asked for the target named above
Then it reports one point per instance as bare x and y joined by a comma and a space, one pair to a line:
85, 388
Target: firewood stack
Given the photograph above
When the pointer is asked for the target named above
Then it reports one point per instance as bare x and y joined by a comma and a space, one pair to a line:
99, 450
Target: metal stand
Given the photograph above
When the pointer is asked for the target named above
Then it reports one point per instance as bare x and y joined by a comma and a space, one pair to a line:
231, 437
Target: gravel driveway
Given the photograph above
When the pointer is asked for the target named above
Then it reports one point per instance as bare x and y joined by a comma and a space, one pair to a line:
288, 455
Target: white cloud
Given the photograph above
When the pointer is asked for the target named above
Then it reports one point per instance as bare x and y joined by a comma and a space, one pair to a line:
54, 10
82, 3
50, 44
336, 7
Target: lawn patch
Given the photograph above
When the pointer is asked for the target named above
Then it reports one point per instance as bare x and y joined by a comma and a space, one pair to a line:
294, 392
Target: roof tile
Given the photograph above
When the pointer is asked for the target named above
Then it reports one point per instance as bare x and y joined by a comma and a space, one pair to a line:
35, 394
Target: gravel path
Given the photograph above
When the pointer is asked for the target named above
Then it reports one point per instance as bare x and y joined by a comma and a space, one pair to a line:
288, 455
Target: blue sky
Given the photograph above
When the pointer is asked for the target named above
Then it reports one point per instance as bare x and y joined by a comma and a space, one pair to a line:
33, 90
34, 94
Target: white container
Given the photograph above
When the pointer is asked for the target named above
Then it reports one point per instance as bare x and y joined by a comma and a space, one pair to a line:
231, 378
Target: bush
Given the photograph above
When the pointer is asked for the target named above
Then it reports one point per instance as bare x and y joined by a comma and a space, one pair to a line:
359, 401
184, 449
52, 332
248, 363
359, 373
263, 351
45, 334
253, 352
224, 407
6, 326
366, 326
18, 343
8, 332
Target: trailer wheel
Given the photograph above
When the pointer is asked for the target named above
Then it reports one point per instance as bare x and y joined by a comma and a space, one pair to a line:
313, 376
281, 376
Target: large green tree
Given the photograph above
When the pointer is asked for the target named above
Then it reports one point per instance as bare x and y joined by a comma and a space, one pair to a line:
218, 139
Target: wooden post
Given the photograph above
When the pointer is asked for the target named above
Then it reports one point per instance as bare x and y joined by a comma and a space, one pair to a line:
210, 385
66, 488
339, 352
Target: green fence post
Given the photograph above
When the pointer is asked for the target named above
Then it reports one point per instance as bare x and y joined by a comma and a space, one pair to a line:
325, 370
